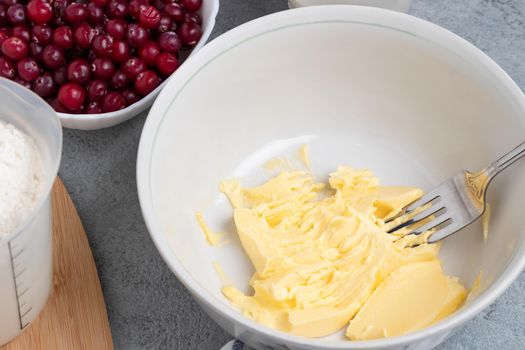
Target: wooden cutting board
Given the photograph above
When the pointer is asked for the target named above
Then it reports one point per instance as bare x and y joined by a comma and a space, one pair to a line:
75, 316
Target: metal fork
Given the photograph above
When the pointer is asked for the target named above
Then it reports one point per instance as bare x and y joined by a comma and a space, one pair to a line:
455, 203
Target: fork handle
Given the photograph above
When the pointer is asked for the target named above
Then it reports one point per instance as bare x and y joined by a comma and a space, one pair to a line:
505, 161
477, 183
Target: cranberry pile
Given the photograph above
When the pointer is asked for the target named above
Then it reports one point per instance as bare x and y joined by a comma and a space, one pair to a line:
94, 56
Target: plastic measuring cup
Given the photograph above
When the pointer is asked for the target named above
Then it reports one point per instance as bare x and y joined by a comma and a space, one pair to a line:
26, 254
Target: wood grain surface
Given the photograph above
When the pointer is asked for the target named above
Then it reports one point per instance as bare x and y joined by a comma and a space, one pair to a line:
75, 316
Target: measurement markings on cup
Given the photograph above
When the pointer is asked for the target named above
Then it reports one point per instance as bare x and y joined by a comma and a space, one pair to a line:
16, 253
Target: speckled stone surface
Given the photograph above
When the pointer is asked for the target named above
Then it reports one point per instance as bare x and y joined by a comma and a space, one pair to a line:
148, 307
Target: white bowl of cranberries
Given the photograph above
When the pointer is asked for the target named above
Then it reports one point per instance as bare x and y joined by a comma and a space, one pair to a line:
99, 62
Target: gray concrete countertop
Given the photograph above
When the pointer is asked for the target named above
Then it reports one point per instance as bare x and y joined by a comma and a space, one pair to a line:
148, 307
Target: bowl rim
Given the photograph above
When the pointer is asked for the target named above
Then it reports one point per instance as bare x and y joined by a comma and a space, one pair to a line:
148, 99
365, 15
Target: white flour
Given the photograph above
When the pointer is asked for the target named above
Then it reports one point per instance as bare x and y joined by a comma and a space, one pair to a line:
21, 177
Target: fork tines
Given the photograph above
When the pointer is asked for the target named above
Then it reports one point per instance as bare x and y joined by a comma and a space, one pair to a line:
425, 214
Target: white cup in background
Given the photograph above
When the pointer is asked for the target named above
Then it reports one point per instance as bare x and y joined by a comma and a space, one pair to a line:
397, 5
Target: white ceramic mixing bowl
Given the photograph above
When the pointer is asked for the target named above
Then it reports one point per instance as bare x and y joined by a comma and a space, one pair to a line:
364, 87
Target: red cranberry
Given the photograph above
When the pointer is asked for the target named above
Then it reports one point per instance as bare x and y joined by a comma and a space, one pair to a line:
97, 89
120, 51
93, 108
113, 101
83, 34
3, 10
146, 82
63, 37
149, 17
44, 85
42, 34
16, 14
130, 96
191, 5
117, 9
135, 6
169, 42
53, 56
78, 71
149, 52
192, 17
96, 14
36, 50
100, 3
22, 82
165, 23
189, 33
136, 35
22, 32
102, 45
116, 28
71, 96
28, 69
7, 69
57, 106
39, 11
132, 67
175, 11
119, 80
167, 63
76, 13
15, 48
60, 75
103, 68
